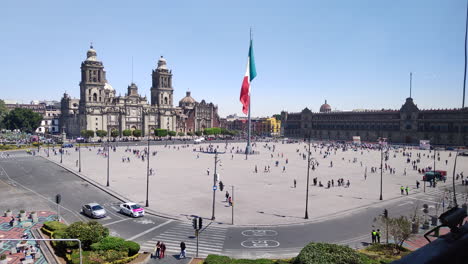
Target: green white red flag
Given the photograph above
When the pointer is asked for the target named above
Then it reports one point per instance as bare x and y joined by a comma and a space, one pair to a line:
250, 74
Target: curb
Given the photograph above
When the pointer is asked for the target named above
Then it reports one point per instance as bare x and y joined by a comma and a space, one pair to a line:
108, 191
151, 212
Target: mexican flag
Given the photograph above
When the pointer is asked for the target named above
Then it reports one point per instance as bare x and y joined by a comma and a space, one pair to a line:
250, 74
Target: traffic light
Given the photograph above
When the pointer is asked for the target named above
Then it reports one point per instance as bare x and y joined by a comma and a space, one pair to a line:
200, 223
385, 213
58, 198
194, 223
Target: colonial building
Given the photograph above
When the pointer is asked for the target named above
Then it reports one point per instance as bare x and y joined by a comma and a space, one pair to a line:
100, 109
196, 116
408, 125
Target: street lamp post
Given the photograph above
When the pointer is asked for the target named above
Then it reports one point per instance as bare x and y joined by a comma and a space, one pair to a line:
108, 157
79, 156
232, 204
214, 186
307, 188
48, 148
147, 173
381, 167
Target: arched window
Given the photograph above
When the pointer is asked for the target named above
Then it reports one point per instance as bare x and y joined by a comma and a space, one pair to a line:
94, 97
165, 100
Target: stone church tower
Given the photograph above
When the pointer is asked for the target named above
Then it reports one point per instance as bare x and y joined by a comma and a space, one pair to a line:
95, 92
161, 89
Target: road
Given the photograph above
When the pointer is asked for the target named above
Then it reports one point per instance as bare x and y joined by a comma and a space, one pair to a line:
43, 180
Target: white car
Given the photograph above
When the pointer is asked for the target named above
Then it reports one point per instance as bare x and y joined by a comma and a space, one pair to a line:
132, 209
199, 140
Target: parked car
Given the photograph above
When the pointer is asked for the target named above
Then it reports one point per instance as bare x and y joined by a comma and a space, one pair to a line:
94, 210
464, 153
132, 209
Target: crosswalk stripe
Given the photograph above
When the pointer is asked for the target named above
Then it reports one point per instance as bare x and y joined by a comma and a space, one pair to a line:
211, 240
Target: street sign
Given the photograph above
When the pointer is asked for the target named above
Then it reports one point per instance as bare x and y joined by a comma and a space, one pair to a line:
215, 188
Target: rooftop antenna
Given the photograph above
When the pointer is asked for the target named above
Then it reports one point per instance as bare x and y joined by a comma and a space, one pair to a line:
410, 83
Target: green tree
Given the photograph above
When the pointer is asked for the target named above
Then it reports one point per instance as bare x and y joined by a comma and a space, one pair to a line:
172, 133
89, 233
198, 133
160, 132
189, 133
3, 113
87, 133
208, 131
101, 133
277, 116
136, 133
114, 133
127, 133
23, 119
181, 134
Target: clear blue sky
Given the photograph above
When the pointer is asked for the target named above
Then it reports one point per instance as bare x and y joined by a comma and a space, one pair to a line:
356, 54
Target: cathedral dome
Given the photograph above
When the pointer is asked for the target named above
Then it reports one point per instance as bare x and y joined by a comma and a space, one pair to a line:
325, 108
162, 63
91, 54
107, 86
187, 100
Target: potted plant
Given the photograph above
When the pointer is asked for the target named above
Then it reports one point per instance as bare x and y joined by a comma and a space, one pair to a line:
34, 216
22, 213
3, 259
8, 213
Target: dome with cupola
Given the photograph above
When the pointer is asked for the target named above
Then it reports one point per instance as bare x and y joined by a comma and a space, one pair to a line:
325, 108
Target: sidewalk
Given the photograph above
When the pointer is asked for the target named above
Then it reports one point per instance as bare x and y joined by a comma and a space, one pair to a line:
171, 259
15, 232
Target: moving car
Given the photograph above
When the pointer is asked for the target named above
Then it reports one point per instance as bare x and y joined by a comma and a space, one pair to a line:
94, 210
430, 175
199, 140
132, 209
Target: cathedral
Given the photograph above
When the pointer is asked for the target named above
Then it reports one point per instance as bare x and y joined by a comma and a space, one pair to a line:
98, 107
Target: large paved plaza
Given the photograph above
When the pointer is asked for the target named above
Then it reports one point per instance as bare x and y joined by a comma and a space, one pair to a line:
180, 185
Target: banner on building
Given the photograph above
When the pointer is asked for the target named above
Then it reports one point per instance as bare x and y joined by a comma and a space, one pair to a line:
357, 140
425, 144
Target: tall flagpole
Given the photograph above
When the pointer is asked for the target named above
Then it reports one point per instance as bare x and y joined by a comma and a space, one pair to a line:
248, 149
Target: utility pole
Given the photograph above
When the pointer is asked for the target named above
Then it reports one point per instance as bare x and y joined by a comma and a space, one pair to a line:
108, 157
214, 186
307, 187
147, 173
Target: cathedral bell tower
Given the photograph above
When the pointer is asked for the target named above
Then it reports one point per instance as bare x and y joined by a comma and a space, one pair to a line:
93, 80
161, 89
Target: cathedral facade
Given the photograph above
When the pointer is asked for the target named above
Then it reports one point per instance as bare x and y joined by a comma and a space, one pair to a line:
98, 107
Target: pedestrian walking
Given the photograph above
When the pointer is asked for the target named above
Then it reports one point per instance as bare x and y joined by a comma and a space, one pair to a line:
163, 250
402, 190
417, 184
208, 171
294, 183
157, 249
407, 190
373, 235
256, 169
182, 250
378, 235
227, 196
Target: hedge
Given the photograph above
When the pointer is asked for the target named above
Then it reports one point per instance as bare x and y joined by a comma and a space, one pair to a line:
323, 253
54, 225
215, 259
